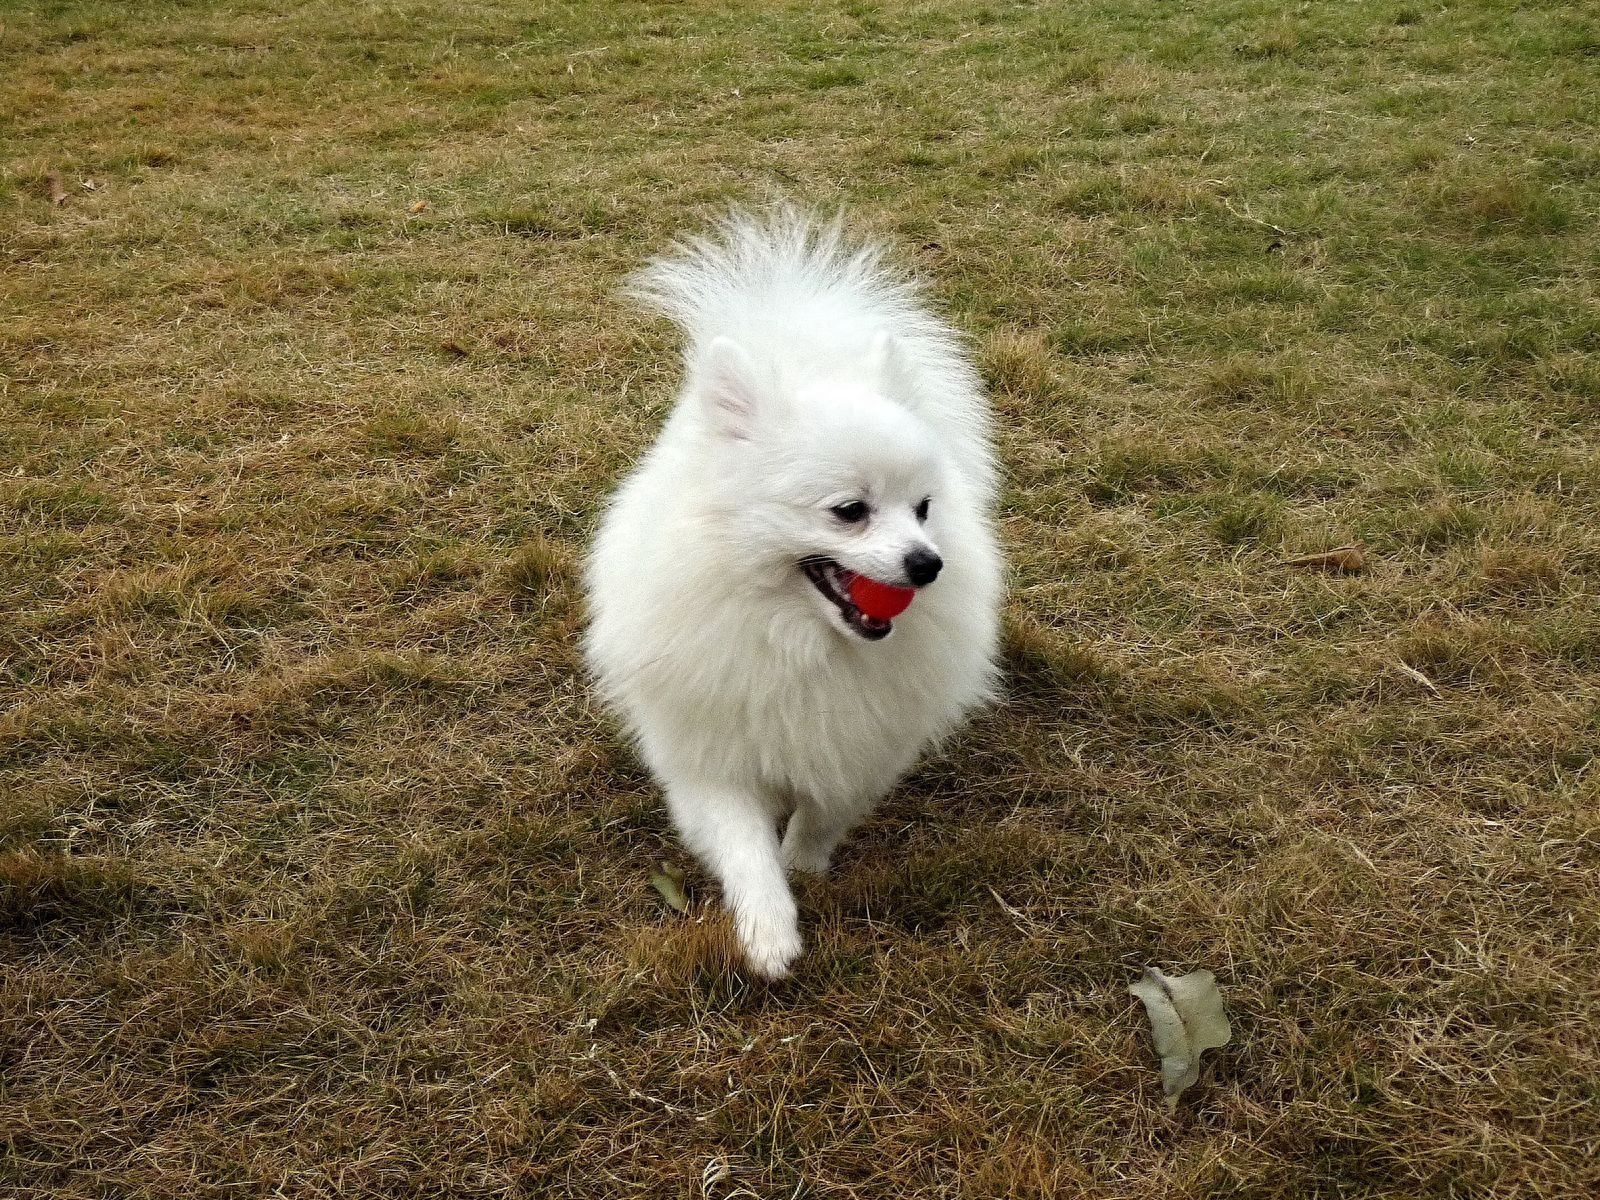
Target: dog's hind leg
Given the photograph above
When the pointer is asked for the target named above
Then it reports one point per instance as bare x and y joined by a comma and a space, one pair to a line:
812, 835
735, 835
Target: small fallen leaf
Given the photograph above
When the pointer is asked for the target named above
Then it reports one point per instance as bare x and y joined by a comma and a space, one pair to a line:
1341, 558
451, 346
1187, 1018
1417, 676
58, 194
669, 882
418, 207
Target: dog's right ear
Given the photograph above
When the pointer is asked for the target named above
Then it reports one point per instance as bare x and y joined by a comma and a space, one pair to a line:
886, 363
730, 389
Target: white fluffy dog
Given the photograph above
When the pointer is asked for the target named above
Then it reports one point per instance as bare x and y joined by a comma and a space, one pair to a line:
752, 612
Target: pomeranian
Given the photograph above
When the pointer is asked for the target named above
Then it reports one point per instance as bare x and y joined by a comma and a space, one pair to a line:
796, 592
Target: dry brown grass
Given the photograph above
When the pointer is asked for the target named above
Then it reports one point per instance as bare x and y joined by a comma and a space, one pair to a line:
320, 874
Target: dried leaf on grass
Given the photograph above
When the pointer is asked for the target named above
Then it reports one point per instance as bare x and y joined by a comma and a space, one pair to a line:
1417, 676
1352, 557
1187, 1018
669, 882
58, 192
418, 206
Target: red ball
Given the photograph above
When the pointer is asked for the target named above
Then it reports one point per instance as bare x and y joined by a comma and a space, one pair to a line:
880, 601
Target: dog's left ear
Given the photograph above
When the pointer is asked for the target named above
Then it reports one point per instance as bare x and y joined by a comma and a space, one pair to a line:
730, 389
886, 362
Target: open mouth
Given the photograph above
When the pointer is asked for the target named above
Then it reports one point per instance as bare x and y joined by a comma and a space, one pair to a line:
834, 581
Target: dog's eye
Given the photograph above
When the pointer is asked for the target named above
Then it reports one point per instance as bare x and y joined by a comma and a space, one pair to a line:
850, 513
922, 509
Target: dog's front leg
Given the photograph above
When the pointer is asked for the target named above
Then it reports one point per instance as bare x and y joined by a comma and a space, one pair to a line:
813, 833
735, 835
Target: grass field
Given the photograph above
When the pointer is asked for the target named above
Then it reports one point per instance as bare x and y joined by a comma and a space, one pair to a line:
321, 875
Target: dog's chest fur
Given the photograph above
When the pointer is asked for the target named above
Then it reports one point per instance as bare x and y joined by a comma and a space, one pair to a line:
786, 705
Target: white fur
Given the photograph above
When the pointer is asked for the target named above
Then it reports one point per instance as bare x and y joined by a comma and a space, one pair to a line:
813, 377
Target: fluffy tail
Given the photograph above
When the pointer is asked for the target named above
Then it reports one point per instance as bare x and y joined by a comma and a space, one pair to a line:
758, 264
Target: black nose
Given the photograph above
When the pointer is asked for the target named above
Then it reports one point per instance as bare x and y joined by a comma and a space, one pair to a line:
922, 566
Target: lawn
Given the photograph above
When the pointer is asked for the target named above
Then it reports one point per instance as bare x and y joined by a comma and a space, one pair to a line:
323, 875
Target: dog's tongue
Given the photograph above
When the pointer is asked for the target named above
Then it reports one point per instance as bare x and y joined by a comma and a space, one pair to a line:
880, 601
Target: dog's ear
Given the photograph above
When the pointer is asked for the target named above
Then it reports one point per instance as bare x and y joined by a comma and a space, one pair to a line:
730, 389
886, 363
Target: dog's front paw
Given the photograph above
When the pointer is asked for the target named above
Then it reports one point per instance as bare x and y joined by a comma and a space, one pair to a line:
799, 857
770, 939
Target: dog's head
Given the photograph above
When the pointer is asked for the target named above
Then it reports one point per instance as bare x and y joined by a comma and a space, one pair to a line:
823, 482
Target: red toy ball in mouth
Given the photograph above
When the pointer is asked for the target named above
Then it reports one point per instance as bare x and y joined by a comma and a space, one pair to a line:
880, 601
